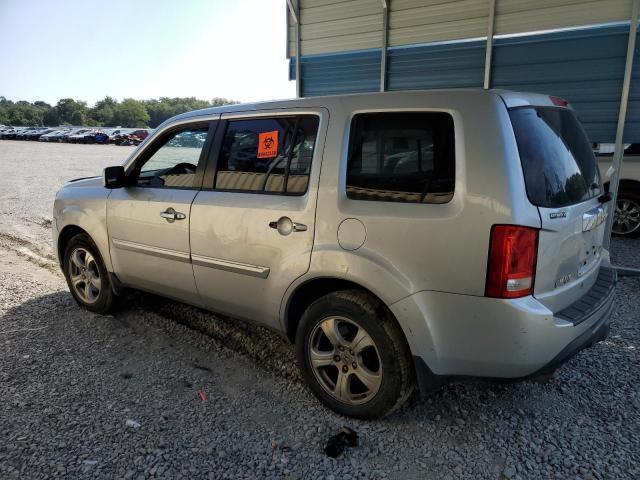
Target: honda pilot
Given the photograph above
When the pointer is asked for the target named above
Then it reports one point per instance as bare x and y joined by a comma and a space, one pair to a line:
399, 240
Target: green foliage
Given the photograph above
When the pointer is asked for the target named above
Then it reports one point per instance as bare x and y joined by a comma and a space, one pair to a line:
130, 113
72, 112
107, 112
102, 112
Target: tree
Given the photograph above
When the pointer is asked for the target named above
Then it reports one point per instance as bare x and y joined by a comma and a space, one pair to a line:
50, 118
219, 101
106, 112
77, 118
70, 111
130, 113
103, 111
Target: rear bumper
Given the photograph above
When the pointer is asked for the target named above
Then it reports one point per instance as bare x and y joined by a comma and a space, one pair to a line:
465, 336
597, 333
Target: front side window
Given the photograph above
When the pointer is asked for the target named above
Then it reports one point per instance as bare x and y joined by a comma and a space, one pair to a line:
401, 157
267, 155
174, 164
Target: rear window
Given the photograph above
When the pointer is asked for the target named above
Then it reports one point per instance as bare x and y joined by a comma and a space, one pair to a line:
558, 163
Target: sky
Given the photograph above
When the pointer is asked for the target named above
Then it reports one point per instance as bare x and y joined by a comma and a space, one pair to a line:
143, 49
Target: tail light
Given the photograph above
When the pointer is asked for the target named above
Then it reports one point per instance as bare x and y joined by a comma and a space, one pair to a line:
511, 268
560, 102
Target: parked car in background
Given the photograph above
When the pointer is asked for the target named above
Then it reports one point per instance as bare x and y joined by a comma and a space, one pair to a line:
79, 135
53, 136
415, 238
626, 221
76, 135
24, 134
8, 133
38, 133
100, 136
130, 136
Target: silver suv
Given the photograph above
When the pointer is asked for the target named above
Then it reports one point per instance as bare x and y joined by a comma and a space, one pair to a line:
396, 238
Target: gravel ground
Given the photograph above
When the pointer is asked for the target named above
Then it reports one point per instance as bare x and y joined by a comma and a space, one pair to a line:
91, 396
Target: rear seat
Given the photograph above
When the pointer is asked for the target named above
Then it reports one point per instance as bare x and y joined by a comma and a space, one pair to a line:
254, 181
391, 195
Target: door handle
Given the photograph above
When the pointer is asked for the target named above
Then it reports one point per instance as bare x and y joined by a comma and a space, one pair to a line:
285, 226
170, 215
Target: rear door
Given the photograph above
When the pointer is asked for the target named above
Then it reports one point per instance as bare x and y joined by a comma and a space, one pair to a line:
563, 181
252, 225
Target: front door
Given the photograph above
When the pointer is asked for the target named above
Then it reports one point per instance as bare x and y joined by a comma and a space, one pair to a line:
148, 221
252, 228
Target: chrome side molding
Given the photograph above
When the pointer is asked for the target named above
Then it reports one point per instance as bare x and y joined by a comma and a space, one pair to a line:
150, 250
229, 266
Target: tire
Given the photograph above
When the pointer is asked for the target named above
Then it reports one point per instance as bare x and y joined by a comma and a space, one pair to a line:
86, 275
367, 380
628, 205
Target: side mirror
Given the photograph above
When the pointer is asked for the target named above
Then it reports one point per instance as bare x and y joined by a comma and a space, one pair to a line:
113, 177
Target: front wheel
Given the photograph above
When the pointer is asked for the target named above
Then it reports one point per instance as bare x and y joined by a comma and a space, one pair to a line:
354, 356
86, 275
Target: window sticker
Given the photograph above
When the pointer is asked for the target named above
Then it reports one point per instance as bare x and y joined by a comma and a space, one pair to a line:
268, 144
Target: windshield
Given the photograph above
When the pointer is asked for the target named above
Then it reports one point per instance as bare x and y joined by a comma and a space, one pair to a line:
558, 163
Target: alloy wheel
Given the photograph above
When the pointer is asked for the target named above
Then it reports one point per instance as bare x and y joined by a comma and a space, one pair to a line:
627, 217
345, 360
84, 275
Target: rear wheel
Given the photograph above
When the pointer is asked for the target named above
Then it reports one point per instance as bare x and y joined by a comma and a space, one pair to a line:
626, 221
86, 275
353, 355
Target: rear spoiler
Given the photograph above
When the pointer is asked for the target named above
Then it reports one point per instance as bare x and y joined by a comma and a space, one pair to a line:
520, 99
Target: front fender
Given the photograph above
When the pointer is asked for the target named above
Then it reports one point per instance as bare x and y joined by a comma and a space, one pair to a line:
86, 209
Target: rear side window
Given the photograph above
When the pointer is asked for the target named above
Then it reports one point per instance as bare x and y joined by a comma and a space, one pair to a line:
557, 160
267, 155
401, 157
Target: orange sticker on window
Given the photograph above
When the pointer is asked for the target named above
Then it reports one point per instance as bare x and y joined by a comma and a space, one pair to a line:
268, 144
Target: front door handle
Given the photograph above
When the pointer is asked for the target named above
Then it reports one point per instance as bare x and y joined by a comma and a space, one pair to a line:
170, 215
285, 226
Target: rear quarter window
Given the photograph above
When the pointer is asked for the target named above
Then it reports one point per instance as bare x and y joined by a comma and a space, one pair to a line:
557, 160
401, 157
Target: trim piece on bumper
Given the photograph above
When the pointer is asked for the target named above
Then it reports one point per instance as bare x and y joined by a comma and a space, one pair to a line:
229, 266
593, 300
150, 250
595, 334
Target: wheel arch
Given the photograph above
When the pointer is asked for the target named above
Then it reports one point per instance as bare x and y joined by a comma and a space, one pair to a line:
65, 235
97, 234
628, 184
312, 289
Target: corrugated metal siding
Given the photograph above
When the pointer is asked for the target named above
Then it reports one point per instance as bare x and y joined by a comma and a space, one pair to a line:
424, 21
340, 73
292, 68
337, 26
345, 25
632, 126
584, 66
517, 16
436, 66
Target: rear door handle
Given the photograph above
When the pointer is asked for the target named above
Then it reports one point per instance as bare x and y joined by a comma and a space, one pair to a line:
170, 215
285, 226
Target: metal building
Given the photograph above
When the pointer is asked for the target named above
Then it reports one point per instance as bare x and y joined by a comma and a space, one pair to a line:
580, 50
574, 49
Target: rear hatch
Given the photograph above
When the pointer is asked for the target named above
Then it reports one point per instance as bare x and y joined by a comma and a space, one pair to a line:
563, 181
